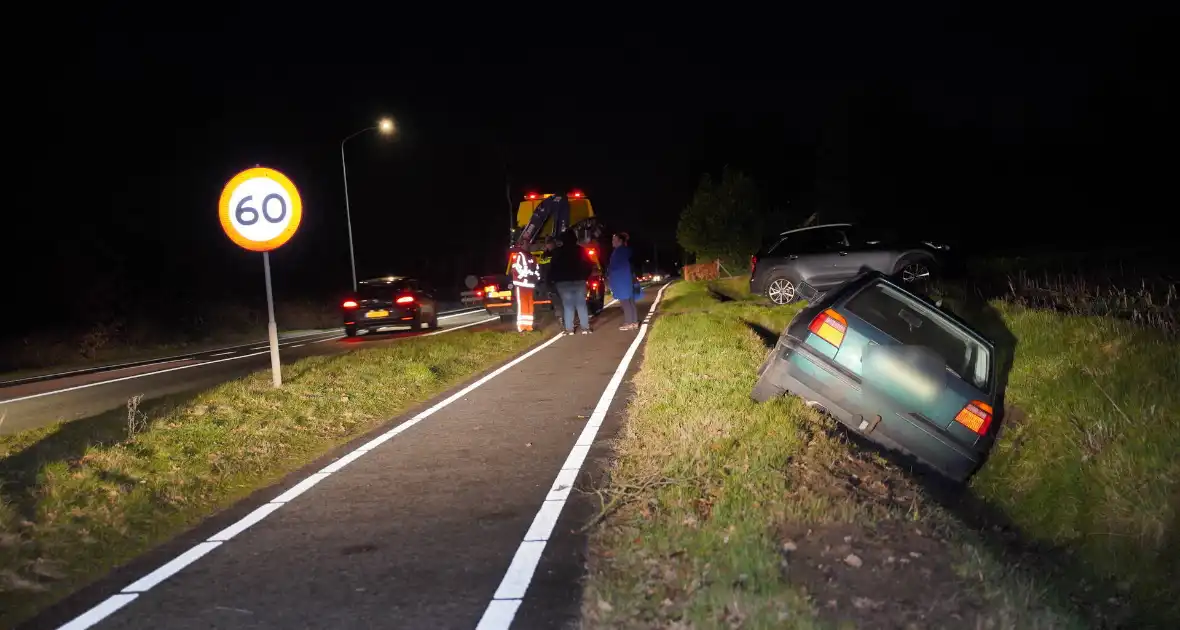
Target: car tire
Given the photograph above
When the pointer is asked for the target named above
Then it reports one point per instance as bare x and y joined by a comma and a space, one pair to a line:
764, 388
350, 331
433, 325
914, 270
781, 290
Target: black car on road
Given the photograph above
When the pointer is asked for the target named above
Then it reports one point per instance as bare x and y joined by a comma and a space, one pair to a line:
806, 262
388, 302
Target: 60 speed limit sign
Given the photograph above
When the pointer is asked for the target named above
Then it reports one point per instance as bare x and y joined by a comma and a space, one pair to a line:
260, 209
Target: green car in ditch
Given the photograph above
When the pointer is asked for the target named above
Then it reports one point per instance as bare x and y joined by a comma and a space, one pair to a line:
894, 368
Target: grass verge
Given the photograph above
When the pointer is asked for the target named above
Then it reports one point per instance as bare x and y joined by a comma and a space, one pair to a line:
80, 498
1088, 472
732, 514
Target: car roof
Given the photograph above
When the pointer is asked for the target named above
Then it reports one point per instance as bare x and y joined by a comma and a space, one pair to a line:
383, 280
815, 227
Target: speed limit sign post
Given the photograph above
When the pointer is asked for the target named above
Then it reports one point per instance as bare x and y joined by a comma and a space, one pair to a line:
260, 210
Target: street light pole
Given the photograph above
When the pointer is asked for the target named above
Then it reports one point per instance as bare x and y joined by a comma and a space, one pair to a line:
385, 126
348, 213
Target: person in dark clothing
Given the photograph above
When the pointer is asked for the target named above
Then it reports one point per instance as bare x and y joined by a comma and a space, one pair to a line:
569, 268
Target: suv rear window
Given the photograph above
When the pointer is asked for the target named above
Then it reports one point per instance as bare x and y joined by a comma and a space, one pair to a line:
381, 291
912, 323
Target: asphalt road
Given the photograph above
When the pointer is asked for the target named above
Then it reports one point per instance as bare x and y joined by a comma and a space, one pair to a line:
73, 395
436, 520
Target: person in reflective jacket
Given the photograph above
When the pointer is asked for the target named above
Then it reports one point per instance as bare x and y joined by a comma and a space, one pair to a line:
525, 273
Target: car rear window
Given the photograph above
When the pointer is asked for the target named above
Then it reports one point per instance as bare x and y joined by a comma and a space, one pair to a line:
912, 323
380, 291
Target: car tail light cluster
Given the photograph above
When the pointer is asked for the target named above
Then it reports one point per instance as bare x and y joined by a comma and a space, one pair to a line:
405, 299
349, 304
829, 326
753, 263
491, 288
977, 416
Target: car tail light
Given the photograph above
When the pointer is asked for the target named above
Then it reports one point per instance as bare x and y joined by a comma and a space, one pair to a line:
594, 285
829, 326
349, 304
591, 252
977, 416
491, 288
753, 263
479, 294
405, 299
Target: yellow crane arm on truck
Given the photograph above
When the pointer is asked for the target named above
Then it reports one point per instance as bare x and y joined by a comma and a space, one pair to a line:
534, 241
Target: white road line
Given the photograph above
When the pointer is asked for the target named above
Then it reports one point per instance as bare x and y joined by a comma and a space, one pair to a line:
202, 363
451, 314
100, 612
162, 360
510, 594
222, 354
115, 602
147, 582
126, 378
452, 329
329, 339
296, 345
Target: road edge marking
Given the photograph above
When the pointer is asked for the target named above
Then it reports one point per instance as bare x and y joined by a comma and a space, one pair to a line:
126, 378
454, 328
207, 362
110, 605
115, 367
510, 593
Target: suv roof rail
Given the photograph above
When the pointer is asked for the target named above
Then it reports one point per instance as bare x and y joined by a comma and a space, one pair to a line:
815, 227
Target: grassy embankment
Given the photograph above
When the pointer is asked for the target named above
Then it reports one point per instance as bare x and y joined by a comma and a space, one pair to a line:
80, 498
735, 514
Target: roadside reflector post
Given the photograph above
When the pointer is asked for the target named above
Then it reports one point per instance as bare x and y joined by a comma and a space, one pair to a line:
260, 209
272, 329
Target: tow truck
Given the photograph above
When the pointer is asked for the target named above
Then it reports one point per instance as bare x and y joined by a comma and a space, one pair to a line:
538, 217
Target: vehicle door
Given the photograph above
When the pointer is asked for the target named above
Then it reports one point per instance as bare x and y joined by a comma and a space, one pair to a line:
815, 256
859, 250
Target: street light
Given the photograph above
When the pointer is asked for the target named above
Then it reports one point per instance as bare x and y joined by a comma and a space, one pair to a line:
385, 127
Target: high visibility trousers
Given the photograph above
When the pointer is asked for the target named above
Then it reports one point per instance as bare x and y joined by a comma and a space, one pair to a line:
524, 308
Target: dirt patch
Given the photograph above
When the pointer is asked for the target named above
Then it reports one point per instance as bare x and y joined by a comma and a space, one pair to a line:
888, 569
888, 576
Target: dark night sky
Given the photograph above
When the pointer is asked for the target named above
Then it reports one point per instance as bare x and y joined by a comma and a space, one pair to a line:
967, 126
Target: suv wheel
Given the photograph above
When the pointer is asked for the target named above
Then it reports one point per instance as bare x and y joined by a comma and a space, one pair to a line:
781, 290
914, 271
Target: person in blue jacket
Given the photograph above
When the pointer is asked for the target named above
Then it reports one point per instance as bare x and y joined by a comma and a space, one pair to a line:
621, 278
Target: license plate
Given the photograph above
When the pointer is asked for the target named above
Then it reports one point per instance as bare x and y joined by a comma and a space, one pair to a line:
381, 313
